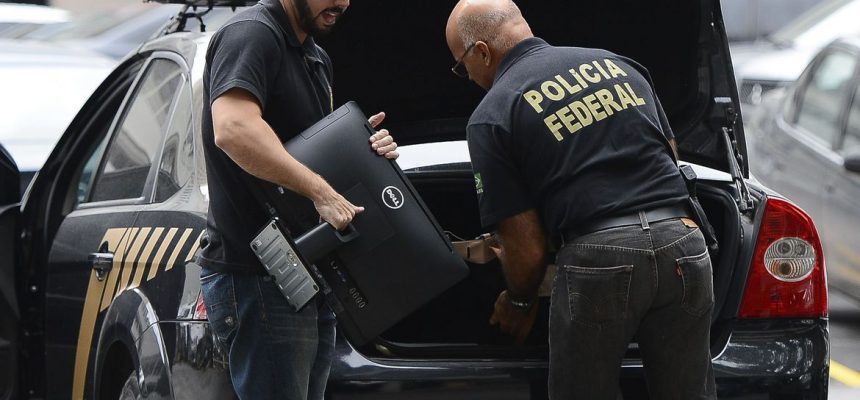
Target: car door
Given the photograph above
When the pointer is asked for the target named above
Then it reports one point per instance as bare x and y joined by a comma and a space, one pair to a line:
9, 317
801, 145
842, 247
92, 258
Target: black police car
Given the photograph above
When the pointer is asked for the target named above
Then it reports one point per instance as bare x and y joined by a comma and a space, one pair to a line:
101, 299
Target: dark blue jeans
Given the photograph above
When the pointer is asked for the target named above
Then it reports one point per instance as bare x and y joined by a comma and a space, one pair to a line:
653, 281
274, 352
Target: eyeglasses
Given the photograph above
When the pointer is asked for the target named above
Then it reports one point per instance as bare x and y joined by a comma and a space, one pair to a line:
459, 68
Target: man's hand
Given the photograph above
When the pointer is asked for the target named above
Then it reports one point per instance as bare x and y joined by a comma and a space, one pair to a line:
382, 142
512, 320
336, 210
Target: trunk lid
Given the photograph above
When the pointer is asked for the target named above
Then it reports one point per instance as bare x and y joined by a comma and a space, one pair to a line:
392, 56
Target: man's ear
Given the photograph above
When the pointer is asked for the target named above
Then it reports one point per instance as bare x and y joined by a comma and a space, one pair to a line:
486, 53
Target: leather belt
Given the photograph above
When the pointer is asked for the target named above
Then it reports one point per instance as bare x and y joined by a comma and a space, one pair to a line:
642, 218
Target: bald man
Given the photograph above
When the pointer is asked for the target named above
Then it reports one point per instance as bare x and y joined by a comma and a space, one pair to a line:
571, 146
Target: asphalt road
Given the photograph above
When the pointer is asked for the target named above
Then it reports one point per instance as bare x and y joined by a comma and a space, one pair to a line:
844, 347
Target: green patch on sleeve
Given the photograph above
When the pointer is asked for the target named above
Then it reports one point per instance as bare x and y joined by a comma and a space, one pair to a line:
479, 184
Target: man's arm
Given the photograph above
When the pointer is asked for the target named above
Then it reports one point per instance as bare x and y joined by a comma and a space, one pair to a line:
523, 258
523, 253
250, 142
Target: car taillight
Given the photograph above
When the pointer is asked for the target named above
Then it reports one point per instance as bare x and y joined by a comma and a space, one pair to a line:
786, 278
200, 308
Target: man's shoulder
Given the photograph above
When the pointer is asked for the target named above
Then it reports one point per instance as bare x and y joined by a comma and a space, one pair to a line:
581, 52
495, 108
251, 22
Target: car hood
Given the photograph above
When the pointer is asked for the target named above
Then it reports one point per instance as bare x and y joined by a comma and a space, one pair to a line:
743, 53
777, 66
392, 56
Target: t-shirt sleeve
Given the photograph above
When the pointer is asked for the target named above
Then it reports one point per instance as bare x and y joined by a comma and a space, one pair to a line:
244, 55
664, 121
498, 182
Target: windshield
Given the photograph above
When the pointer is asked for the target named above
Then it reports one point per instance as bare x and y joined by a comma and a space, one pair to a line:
821, 25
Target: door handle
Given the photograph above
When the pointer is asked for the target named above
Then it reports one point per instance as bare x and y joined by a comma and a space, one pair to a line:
102, 264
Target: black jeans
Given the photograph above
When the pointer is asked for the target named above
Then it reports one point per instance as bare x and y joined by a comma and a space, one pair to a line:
652, 281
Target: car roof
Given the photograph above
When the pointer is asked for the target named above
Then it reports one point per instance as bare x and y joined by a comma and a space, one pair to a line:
852, 41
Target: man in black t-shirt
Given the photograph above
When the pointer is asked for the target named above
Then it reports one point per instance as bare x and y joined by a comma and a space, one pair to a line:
571, 145
265, 81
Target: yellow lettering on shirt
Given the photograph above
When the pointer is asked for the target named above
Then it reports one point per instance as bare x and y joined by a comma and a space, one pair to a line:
534, 98
624, 97
614, 69
591, 78
583, 115
590, 101
552, 90
578, 77
584, 107
605, 98
554, 127
600, 69
568, 119
570, 89
639, 100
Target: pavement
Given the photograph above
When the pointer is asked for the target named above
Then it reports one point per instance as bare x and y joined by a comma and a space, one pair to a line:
844, 347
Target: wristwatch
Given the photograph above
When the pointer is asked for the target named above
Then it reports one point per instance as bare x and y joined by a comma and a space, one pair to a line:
521, 304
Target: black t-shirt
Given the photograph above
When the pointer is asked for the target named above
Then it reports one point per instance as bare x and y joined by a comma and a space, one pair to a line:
258, 51
573, 133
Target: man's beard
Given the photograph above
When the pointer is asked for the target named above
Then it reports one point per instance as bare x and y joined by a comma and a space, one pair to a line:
307, 21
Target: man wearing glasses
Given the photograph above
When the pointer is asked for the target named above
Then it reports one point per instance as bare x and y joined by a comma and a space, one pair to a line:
571, 146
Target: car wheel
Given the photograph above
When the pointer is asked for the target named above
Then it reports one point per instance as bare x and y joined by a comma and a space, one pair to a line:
130, 390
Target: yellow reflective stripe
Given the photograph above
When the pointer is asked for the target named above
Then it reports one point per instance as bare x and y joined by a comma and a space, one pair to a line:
150, 247
195, 247
843, 374
178, 249
116, 269
95, 288
162, 249
144, 257
131, 257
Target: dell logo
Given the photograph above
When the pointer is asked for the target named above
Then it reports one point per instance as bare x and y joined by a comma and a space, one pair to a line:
392, 197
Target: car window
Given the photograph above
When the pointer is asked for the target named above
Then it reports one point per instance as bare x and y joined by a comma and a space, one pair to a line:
137, 141
822, 102
89, 172
177, 158
852, 133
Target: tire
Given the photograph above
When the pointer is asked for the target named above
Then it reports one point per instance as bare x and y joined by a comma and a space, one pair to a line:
130, 389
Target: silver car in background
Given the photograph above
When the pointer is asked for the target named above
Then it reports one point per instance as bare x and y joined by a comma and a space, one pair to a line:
805, 144
778, 60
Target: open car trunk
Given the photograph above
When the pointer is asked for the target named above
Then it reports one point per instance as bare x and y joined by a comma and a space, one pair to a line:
456, 323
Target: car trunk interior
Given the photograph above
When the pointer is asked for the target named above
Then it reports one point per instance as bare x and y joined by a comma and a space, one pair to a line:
456, 323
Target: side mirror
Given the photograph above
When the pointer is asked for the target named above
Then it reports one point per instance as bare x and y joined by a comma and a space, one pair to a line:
852, 162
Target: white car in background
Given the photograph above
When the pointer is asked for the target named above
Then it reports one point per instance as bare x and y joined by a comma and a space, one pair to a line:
44, 86
26, 17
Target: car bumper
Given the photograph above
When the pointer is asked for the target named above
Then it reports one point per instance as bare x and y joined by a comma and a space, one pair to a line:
761, 359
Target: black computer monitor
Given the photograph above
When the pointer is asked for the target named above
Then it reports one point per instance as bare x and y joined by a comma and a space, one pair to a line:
400, 258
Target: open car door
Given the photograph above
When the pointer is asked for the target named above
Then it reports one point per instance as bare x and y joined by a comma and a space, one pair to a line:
9, 210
